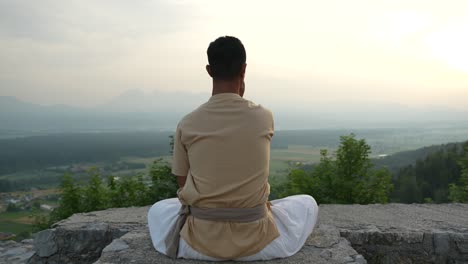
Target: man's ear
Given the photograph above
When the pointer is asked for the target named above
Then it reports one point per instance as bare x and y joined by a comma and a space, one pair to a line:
242, 89
208, 70
242, 72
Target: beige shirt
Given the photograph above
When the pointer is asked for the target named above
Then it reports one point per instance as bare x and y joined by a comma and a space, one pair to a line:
223, 148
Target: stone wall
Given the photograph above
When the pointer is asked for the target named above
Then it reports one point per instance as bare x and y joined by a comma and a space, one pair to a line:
402, 233
392, 233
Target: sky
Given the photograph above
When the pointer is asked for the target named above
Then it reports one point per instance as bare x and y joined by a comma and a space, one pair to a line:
84, 53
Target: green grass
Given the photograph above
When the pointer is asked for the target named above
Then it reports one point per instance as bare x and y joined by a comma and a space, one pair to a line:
22, 175
305, 154
283, 159
13, 215
278, 168
15, 222
14, 227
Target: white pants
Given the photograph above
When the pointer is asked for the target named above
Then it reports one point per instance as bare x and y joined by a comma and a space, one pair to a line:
295, 218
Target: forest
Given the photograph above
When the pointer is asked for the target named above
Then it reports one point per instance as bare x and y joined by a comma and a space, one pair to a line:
420, 175
432, 174
433, 178
36, 152
347, 174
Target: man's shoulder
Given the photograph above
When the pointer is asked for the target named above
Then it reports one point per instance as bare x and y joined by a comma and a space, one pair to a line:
185, 120
259, 108
191, 116
251, 107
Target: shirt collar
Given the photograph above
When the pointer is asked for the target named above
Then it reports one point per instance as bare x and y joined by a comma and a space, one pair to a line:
222, 96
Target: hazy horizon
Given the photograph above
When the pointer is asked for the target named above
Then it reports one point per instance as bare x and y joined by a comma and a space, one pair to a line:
303, 53
140, 110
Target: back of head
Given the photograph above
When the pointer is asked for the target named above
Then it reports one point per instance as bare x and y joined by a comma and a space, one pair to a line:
226, 56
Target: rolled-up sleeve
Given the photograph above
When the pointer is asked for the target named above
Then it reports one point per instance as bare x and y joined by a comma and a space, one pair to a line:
180, 162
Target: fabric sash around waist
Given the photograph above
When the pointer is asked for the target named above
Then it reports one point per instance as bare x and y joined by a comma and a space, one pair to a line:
241, 215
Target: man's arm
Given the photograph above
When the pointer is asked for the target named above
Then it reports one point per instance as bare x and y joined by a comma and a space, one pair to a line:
180, 163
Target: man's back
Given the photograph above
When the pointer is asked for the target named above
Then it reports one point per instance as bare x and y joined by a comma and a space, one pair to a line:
221, 161
224, 148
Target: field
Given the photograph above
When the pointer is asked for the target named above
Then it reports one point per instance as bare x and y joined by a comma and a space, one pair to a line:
284, 159
20, 222
15, 222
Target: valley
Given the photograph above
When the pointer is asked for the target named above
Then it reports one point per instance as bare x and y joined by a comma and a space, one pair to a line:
30, 189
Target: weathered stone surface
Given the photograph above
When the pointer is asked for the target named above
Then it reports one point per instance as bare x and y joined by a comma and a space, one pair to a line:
116, 245
403, 233
12, 252
394, 217
461, 242
45, 244
324, 237
21, 258
79, 242
441, 243
332, 249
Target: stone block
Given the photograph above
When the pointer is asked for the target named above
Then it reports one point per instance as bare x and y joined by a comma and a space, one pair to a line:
45, 244
441, 243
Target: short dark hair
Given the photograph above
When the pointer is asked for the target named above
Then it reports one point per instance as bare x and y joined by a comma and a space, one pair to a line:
226, 55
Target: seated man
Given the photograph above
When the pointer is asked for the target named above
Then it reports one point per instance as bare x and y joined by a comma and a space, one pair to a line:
221, 160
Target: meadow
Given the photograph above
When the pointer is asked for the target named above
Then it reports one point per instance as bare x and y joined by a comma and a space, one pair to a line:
15, 222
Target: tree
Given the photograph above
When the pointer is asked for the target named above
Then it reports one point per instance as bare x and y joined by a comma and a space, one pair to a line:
298, 181
406, 188
171, 144
348, 177
323, 179
459, 193
136, 190
352, 167
12, 208
95, 195
375, 188
70, 200
430, 178
163, 183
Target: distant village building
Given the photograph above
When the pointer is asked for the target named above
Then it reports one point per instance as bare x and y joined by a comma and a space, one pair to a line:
381, 156
13, 201
28, 197
46, 207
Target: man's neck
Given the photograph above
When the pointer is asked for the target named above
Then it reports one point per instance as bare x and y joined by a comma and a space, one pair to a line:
220, 86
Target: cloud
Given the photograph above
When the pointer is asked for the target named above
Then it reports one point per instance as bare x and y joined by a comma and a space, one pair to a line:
54, 20
53, 50
85, 52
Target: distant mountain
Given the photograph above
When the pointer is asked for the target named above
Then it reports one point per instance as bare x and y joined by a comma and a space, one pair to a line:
22, 118
12, 105
291, 115
138, 110
137, 101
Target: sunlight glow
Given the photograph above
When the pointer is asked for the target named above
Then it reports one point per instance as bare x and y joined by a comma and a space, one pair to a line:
450, 45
